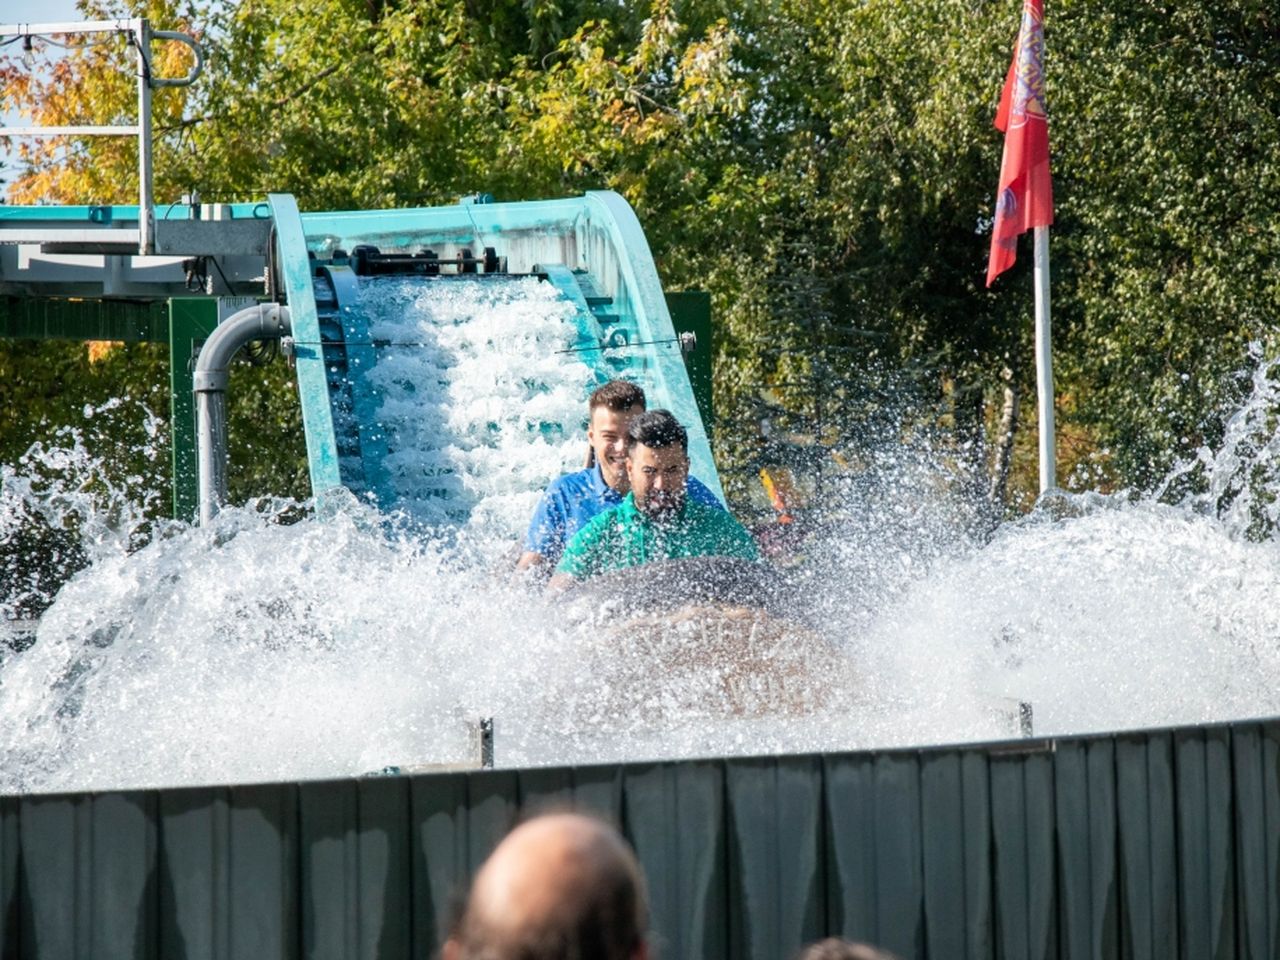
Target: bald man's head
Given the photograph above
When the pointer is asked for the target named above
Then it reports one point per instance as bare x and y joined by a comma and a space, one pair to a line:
561, 886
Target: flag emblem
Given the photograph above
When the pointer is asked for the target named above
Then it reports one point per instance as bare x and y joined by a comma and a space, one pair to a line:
1024, 198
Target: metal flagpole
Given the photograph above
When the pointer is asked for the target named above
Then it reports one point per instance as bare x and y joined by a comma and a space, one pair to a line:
1044, 362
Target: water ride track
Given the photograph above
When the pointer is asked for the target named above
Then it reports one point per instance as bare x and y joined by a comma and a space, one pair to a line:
591, 249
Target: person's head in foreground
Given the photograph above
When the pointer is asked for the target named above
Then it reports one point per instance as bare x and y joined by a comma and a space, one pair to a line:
657, 463
559, 887
611, 409
833, 948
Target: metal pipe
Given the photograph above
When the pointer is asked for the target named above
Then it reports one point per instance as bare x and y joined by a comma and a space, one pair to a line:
1044, 363
64, 26
266, 321
141, 31
196, 52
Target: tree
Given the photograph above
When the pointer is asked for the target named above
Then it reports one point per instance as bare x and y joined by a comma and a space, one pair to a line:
824, 168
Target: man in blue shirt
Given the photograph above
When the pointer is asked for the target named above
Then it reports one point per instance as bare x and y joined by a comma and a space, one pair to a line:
571, 501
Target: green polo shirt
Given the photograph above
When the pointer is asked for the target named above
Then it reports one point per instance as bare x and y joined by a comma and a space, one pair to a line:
623, 536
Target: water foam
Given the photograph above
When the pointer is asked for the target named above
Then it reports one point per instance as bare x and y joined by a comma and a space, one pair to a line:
478, 394
260, 650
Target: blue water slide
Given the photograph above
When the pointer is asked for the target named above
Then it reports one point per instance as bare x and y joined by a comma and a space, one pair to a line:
591, 249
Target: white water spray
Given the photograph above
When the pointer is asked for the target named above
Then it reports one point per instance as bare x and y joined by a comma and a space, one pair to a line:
254, 650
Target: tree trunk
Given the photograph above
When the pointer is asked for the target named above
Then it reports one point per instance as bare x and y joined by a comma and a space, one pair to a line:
999, 489
967, 405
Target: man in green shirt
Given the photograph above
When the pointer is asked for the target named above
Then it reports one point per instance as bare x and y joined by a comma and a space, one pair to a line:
656, 520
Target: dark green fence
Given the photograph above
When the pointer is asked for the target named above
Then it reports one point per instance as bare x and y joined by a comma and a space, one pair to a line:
1153, 845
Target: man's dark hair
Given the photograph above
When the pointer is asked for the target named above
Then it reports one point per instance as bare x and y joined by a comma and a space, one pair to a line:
657, 429
618, 396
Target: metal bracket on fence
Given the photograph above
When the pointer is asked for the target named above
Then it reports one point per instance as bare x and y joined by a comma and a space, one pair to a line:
482, 732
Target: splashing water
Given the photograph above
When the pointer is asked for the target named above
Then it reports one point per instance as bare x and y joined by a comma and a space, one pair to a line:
258, 650
1239, 482
478, 395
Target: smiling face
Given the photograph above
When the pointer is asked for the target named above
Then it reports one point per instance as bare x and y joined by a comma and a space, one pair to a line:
658, 476
607, 435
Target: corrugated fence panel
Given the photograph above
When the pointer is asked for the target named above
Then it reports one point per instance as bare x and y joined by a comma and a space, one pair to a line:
1256, 767
329, 841
56, 869
956, 853
599, 790
10, 863
122, 881
492, 809
548, 789
1085, 800
689, 903
1022, 814
194, 882
262, 868
776, 875
438, 810
1206, 891
385, 869
1148, 845
875, 873
1162, 844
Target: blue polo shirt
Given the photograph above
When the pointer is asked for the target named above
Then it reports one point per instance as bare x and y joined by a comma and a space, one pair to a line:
571, 501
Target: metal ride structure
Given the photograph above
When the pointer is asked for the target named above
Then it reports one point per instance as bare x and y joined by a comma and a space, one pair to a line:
1150, 844
149, 274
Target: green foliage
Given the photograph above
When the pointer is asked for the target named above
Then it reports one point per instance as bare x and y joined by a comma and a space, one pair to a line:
825, 168
267, 452
53, 396
1168, 160
45, 385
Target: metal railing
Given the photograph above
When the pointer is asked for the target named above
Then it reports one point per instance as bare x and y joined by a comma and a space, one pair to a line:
140, 35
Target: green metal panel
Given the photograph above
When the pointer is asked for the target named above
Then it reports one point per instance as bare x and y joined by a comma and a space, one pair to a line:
595, 790
330, 851
263, 860
1085, 801
122, 891
955, 848
875, 878
549, 789
1204, 842
57, 865
356, 869
438, 811
1148, 844
491, 812
691, 313
193, 908
599, 790
385, 869
227, 872
1022, 828
45, 318
689, 905
1159, 844
1256, 766
191, 320
776, 876
11, 906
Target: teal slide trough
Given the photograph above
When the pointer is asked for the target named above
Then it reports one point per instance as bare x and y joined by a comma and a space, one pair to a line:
591, 248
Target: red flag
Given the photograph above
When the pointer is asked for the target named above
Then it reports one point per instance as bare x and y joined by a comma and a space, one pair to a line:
1025, 196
